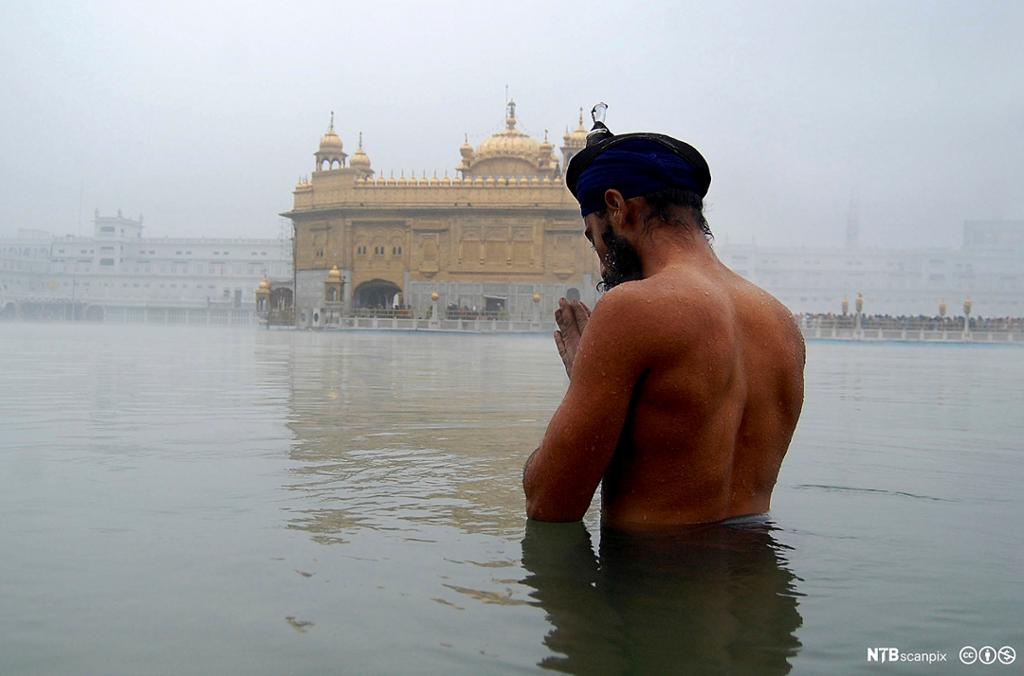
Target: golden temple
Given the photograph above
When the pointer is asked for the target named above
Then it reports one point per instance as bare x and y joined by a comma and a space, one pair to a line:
502, 238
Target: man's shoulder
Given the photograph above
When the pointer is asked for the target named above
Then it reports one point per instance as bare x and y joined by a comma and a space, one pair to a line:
682, 294
654, 310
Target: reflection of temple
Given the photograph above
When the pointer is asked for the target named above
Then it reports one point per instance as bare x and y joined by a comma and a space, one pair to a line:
485, 241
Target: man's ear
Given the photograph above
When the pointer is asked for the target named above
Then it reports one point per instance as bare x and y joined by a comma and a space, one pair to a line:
622, 212
614, 203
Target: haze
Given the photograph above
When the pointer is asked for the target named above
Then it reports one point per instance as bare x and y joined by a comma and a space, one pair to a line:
203, 117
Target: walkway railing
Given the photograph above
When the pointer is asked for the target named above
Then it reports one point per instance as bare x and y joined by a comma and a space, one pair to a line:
459, 325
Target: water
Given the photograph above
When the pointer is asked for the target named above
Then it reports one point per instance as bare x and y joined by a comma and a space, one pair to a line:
184, 501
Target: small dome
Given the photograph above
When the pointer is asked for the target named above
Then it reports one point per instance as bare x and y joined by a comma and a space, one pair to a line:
334, 274
359, 159
545, 146
465, 149
330, 140
578, 136
264, 284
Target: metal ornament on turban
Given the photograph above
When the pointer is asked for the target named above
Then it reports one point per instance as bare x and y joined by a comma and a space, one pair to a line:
634, 164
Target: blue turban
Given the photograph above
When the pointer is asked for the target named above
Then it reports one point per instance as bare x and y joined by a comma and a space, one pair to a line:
636, 165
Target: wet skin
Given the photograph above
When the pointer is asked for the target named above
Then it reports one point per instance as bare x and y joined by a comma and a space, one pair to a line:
685, 387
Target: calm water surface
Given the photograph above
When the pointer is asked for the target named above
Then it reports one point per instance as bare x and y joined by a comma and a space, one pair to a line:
181, 501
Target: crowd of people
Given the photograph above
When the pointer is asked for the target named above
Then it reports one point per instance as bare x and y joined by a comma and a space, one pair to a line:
915, 322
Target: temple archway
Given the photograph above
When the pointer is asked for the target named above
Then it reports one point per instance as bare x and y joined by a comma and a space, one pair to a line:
280, 298
377, 293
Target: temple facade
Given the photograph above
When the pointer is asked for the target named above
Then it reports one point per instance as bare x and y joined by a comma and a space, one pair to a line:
502, 238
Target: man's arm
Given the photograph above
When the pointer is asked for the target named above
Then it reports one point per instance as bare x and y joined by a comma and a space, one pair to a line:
561, 476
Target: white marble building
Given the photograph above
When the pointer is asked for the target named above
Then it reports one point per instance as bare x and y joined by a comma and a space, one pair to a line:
117, 266
988, 268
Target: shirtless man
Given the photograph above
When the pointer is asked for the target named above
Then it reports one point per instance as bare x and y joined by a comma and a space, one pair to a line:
686, 382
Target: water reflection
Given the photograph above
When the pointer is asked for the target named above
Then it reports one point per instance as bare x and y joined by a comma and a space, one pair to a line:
395, 432
707, 600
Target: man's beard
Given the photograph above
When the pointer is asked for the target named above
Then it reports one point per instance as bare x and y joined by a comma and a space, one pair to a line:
621, 262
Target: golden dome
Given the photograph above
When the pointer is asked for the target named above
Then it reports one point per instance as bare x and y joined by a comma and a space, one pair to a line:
360, 160
334, 274
264, 284
330, 140
509, 142
508, 153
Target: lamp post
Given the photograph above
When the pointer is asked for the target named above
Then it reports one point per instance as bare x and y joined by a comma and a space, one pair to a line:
858, 305
333, 295
263, 301
967, 318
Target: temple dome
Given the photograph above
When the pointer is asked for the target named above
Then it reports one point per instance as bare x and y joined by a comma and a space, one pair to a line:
330, 140
508, 143
359, 159
509, 152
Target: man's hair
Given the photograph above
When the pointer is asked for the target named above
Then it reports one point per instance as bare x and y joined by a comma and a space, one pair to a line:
661, 205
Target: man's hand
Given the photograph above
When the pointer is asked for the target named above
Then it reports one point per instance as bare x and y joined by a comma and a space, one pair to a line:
605, 363
571, 317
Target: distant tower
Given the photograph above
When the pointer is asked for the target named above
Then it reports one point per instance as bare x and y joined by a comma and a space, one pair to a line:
853, 224
574, 141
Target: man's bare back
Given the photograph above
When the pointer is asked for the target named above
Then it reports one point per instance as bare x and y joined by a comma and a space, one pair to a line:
685, 389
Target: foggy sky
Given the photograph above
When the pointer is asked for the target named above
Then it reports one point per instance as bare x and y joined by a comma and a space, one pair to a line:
202, 118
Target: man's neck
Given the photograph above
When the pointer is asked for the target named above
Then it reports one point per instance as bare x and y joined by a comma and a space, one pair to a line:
671, 245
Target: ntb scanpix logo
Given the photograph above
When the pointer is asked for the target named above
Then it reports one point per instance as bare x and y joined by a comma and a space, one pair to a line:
884, 655
985, 655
